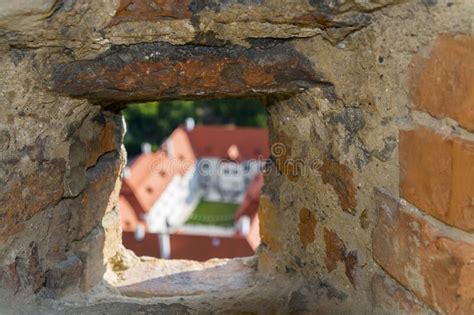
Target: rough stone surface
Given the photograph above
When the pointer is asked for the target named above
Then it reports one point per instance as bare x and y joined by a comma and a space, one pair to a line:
152, 278
101, 194
268, 223
416, 251
29, 269
306, 226
436, 174
24, 11
163, 71
66, 273
150, 10
340, 178
9, 277
91, 252
113, 233
336, 252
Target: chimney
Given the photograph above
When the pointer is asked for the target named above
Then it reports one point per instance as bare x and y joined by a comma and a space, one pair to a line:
146, 148
169, 148
233, 152
126, 172
189, 124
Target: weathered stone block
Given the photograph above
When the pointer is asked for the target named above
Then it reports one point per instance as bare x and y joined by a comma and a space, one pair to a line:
64, 274
99, 136
100, 133
339, 176
443, 82
100, 195
5, 139
425, 256
29, 269
163, 71
91, 252
24, 196
151, 10
436, 175
9, 279
269, 226
13, 12
113, 233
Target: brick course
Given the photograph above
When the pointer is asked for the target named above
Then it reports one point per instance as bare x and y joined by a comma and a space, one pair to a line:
443, 83
437, 175
427, 257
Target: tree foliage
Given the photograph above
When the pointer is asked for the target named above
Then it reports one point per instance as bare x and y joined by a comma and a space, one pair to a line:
154, 121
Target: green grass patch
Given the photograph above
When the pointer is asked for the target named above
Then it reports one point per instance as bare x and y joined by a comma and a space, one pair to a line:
213, 213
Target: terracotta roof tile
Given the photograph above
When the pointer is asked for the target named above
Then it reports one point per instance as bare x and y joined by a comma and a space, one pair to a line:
128, 216
215, 141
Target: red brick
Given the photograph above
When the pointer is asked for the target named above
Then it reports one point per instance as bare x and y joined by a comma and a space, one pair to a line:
443, 83
436, 175
425, 257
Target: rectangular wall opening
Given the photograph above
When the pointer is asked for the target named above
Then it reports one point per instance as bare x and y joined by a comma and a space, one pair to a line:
193, 179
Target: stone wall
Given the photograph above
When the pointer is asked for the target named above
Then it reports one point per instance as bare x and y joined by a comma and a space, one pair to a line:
368, 207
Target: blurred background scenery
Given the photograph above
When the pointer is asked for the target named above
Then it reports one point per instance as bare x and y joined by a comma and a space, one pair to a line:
153, 122
192, 183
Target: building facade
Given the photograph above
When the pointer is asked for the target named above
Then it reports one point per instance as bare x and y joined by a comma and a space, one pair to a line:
219, 165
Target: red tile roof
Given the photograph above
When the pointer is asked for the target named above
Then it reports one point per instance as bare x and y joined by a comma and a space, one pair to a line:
181, 148
253, 238
215, 141
128, 216
249, 205
150, 174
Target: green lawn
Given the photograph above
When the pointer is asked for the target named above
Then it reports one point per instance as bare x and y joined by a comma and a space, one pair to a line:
213, 213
